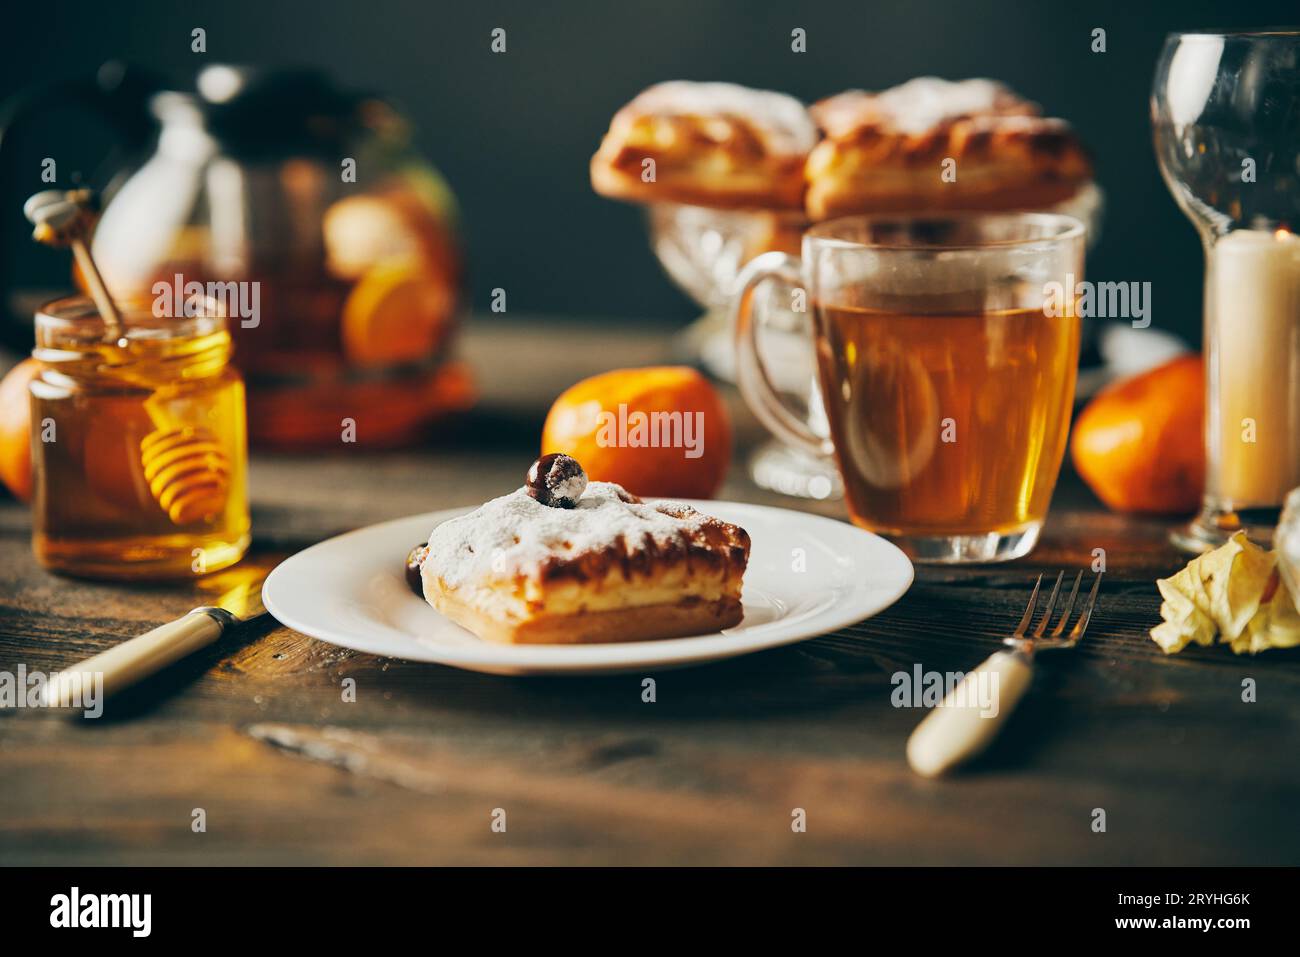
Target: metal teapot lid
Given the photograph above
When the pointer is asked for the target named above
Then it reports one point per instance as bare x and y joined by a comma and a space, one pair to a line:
258, 112
243, 113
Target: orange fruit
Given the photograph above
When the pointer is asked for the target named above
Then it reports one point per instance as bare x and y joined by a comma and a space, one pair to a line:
660, 431
1139, 444
15, 429
396, 313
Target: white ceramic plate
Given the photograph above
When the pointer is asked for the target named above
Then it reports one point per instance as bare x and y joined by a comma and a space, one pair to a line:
351, 591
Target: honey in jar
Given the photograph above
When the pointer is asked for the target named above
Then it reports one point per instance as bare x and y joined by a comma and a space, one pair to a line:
139, 447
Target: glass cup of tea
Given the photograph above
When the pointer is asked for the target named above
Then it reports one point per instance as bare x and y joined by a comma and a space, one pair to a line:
947, 348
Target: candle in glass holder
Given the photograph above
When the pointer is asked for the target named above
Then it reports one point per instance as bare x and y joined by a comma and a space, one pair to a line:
1253, 429
1224, 109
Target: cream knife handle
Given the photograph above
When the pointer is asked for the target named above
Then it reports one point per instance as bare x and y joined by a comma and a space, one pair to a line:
129, 662
961, 727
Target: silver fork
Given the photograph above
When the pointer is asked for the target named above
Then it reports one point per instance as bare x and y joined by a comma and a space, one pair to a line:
973, 711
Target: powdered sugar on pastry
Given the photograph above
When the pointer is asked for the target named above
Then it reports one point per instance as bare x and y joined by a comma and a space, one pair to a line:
883, 151
612, 568
515, 535
710, 144
928, 101
784, 121
919, 105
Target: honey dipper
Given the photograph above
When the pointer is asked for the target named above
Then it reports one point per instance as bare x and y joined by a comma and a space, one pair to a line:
185, 466
64, 218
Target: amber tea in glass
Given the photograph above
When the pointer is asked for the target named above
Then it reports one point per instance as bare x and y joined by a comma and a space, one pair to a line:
139, 445
945, 370
952, 424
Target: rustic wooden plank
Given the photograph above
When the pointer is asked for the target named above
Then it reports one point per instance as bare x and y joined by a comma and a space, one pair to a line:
255, 729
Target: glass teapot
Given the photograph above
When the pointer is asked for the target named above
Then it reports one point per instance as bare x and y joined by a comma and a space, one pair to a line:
306, 212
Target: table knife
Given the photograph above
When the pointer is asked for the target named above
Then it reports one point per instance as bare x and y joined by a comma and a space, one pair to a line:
136, 659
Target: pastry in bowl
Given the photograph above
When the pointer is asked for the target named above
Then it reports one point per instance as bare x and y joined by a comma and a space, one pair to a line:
564, 561
885, 152
712, 144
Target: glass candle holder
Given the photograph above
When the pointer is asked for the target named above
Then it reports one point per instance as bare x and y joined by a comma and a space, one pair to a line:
139, 445
1226, 115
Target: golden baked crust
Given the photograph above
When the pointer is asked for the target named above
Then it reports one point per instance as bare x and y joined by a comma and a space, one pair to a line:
612, 569
884, 152
713, 144
641, 623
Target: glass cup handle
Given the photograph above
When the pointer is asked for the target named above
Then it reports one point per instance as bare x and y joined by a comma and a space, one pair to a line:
751, 375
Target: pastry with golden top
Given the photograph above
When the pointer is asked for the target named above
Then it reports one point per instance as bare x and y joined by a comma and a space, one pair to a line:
885, 152
564, 561
713, 144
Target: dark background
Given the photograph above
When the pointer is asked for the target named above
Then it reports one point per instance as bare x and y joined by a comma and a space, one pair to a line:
513, 133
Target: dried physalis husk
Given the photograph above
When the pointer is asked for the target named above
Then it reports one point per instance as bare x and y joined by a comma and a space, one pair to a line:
1183, 622
1233, 592
1237, 594
1275, 625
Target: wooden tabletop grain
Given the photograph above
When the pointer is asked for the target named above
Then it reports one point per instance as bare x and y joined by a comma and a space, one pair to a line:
257, 735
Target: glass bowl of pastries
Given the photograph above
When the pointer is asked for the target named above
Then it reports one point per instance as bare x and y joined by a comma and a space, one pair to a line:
726, 173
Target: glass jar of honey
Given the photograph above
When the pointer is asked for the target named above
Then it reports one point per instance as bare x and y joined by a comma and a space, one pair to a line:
139, 446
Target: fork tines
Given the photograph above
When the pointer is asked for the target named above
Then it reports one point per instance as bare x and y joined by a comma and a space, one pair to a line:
1055, 635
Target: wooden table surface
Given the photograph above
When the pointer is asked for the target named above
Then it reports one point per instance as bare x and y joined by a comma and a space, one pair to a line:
257, 734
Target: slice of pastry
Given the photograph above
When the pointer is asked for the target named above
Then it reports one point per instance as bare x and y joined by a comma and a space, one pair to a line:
561, 561
706, 144
885, 152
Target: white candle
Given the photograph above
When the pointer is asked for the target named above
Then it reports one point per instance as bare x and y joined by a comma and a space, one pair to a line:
1253, 290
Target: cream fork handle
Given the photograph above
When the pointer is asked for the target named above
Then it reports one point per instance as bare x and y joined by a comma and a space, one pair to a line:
959, 729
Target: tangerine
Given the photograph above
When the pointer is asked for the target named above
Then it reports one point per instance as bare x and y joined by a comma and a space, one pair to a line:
661, 431
1140, 445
